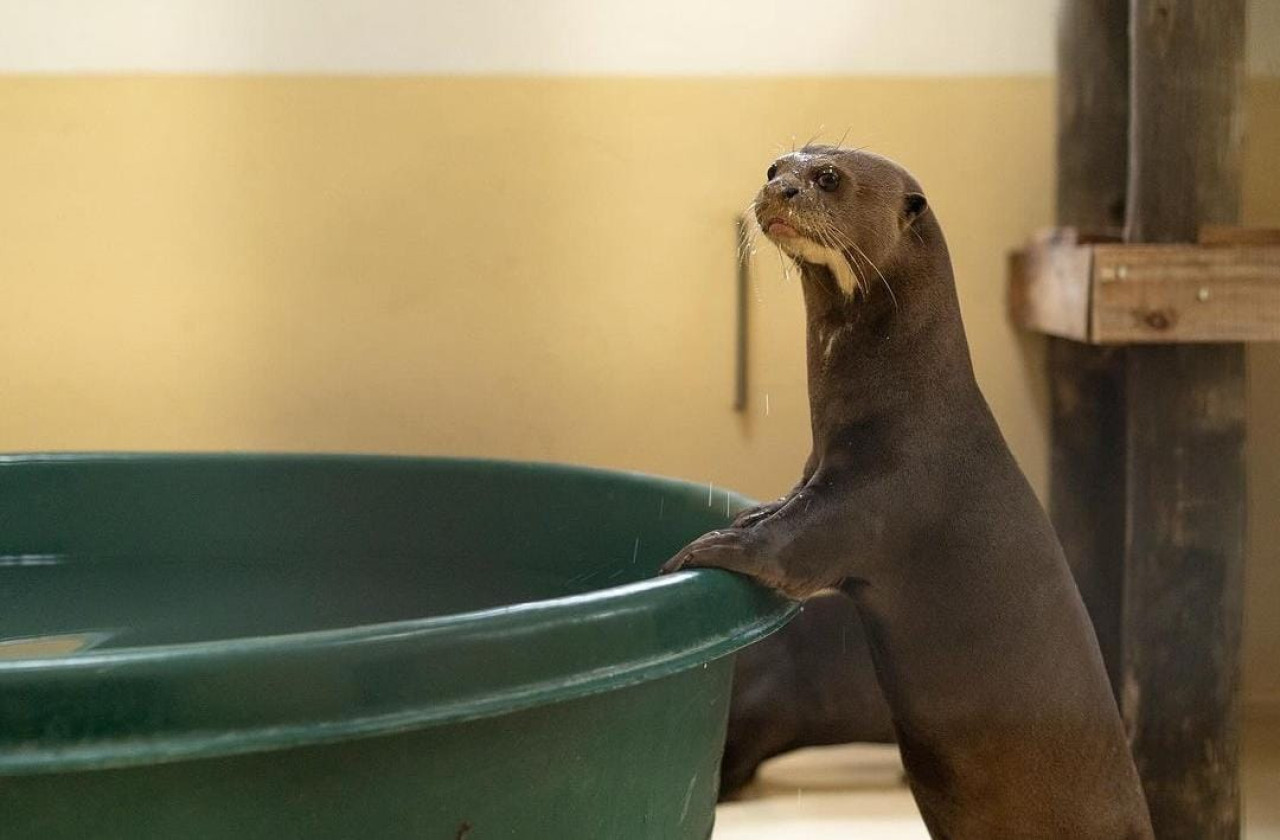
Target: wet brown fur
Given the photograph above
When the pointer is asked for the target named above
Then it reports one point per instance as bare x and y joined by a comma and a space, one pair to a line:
912, 505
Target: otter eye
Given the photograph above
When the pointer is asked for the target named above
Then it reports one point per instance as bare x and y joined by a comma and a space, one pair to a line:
773, 171
828, 179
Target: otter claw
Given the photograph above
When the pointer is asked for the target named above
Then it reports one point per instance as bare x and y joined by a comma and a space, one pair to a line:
756, 515
725, 549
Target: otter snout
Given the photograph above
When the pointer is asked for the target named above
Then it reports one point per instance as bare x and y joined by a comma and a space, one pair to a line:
782, 211
781, 189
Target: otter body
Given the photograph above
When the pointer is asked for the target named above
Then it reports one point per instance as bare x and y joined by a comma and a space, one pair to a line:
913, 506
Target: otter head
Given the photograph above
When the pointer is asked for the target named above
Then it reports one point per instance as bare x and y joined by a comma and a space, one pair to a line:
847, 210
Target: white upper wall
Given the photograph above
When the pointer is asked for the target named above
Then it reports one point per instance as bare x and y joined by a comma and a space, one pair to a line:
550, 37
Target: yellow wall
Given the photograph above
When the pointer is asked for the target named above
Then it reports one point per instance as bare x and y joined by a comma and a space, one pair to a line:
1262, 592
528, 268
525, 268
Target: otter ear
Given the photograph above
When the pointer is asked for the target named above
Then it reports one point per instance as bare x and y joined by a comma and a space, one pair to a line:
913, 206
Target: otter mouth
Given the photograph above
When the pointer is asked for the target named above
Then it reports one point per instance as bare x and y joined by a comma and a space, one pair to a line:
777, 227
801, 245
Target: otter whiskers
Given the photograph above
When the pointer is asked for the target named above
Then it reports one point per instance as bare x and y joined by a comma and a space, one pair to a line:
748, 230
877, 270
848, 278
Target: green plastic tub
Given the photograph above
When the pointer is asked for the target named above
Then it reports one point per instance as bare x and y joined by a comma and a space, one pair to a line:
283, 647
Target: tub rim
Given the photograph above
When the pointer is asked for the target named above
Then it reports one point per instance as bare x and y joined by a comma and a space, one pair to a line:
659, 626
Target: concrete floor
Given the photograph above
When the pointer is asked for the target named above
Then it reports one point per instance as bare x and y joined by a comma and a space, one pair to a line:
857, 791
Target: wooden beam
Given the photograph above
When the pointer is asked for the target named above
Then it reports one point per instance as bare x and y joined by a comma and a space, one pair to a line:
1184, 479
1050, 286
1147, 486
1184, 293
1143, 294
1093, 114
1087, 475
1233, 235
1087, 446
1186, 125
1183, 584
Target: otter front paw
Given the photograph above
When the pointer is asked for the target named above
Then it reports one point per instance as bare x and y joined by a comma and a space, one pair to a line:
725, 549
736, 550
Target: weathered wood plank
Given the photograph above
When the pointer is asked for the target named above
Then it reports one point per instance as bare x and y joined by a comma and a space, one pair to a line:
1184, 558
1186, 66
1049, 289
1093, 114
1185, 293
1086, 479
1133, 294
1183, 583
1233, 235
1147, 487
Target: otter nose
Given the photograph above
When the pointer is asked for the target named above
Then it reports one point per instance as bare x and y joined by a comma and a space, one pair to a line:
790, 191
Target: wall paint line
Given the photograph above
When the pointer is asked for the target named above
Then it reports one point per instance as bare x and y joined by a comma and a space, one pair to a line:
552, 37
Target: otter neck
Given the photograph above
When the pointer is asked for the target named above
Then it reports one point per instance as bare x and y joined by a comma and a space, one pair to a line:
874, 359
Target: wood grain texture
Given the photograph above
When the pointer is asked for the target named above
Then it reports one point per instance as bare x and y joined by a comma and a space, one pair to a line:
1087, 480
1144, 294
1147, 488
1183, 583
1185, 293
1234, 235
1185, 483
1093, 113
1087, 444
1186, 65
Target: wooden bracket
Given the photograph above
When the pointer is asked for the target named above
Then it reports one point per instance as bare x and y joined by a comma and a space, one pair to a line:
1225, 289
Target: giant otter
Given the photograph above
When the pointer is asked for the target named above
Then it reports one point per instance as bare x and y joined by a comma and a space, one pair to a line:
913, 506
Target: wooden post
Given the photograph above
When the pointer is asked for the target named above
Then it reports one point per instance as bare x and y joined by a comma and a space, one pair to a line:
1184, 405
1086, 489
1093, 114
1087, 480
1186, 124
1183, 584
1147, 488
